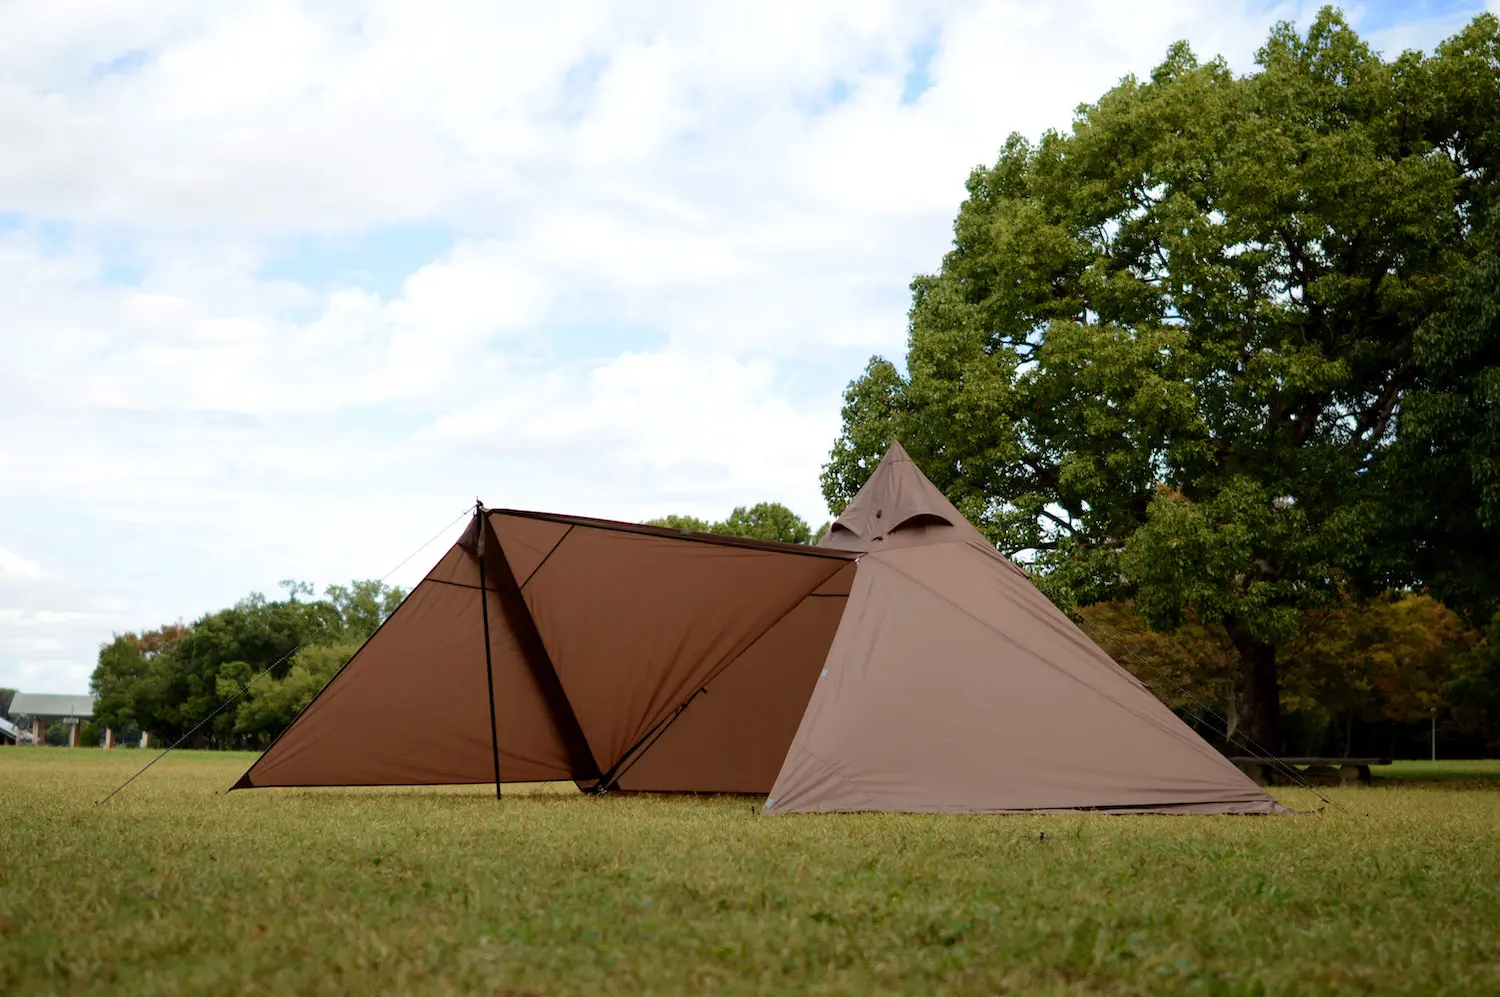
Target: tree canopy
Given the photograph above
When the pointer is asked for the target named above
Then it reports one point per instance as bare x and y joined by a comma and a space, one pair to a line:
1173, 350
762, 521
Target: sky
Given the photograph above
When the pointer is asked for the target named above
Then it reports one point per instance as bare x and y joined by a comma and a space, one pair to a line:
288, 286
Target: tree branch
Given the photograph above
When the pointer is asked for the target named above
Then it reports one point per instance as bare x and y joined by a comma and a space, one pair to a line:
1065, 525
1375, 420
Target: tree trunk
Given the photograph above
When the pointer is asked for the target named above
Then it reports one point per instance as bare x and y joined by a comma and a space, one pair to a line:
1259, 718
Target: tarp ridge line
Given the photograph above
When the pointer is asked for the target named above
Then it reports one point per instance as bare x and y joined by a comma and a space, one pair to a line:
801, 550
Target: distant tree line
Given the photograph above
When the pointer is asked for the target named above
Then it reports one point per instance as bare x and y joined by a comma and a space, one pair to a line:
1360, 676
167, 680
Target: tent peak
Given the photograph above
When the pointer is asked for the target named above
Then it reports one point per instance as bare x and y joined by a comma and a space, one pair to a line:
898, 506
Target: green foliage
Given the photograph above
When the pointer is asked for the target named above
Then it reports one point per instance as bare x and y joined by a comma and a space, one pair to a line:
167, 680
762, 521
1359, 667
1169, 352
765, 521
1446, 463
6, 695
1387, 658
272, 703
445, 891
130, 682
1193, 667
359, 608
674, 522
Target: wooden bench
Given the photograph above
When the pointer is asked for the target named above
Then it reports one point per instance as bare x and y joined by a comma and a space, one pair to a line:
1318, 771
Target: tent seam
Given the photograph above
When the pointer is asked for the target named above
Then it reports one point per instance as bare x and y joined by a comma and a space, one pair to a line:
709, 680
543, 562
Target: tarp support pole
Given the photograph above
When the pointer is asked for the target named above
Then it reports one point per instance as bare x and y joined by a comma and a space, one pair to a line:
489, 665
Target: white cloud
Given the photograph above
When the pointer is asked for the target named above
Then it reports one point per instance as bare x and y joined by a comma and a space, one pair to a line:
676, 231
15, 566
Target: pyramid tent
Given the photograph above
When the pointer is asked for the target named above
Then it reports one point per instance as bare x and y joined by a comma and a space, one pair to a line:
902, 664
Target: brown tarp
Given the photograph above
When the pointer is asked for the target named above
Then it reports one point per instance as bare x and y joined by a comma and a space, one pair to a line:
635, 623
734, 737
412, 706
600, 634
902, 665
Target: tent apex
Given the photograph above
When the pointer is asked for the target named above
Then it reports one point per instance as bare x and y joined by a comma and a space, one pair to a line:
898, 506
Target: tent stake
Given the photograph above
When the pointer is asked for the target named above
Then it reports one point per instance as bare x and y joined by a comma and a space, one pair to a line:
489, 665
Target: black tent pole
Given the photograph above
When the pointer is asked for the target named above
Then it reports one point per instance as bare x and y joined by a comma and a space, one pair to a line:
489, 665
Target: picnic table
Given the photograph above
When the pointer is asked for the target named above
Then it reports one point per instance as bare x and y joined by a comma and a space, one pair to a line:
1267, 771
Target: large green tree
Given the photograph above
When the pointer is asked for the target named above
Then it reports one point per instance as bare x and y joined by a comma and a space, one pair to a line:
1168, 354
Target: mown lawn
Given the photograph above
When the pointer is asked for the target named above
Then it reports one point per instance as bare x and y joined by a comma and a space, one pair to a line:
173, 888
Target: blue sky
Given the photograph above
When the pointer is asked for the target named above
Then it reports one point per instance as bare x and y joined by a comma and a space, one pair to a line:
288, 285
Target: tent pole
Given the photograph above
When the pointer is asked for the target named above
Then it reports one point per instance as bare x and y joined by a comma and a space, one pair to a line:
489, 665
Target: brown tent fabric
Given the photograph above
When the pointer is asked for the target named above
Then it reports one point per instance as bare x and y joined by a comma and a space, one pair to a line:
955, 685
930, 706
898, 507
734, 737
527, 542
412, 706
903, 664
635, 623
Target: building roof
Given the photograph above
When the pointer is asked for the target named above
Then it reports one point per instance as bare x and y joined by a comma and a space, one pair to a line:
43, 704
10, 730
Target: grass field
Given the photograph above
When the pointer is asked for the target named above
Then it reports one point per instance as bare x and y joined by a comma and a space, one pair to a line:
172, 888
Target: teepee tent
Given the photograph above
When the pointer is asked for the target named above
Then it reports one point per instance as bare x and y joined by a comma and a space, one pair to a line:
902, 664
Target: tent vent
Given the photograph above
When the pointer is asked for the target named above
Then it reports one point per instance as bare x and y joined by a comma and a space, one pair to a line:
922, 519
825, 674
